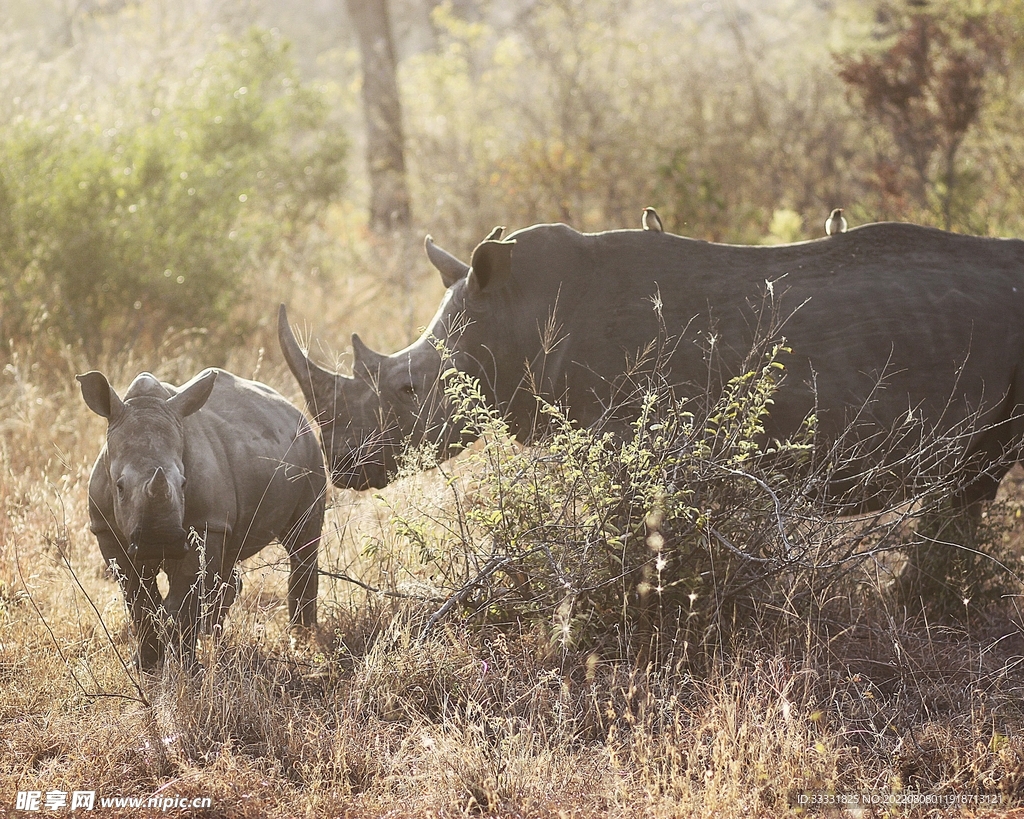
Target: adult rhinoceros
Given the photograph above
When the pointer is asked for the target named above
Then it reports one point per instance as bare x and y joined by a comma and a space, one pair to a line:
221, 458
892, 327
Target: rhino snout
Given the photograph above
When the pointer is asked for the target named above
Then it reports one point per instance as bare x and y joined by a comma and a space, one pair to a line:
169, 542
152, 516
361, 467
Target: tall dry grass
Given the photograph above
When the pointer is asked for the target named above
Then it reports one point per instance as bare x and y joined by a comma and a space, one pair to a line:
368, 719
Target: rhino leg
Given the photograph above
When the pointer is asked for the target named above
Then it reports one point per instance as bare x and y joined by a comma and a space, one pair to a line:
222, 583
938, 559
302, 542
183, 604
141, 596
197, 589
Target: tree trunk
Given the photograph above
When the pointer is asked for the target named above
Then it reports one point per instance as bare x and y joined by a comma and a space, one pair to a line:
950, 180
389, 193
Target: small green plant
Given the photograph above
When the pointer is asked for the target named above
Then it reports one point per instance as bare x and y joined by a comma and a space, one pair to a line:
656, 532
684, 528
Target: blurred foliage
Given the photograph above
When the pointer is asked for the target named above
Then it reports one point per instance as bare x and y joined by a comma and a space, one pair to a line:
721, 115
740, 121
786, 226
926, 86
118, 228
588, 112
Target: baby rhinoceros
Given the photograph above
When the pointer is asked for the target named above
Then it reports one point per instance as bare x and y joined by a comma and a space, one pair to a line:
193, 479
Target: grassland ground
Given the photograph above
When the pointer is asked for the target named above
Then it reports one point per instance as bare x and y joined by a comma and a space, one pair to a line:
366, 719
504, 718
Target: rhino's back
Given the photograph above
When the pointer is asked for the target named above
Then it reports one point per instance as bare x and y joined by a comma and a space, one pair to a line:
872, 281
251, 415
252, 460
939, 315
872, 258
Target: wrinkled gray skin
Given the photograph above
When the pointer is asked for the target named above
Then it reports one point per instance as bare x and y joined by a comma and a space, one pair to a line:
898, 332
222, 458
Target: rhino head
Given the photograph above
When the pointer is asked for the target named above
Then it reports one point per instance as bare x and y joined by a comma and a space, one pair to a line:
391, 401
145, 448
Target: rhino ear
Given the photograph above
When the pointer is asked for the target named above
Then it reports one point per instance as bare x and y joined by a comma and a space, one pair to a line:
450, 268
100, 396
364, 359
491, 264
193, 395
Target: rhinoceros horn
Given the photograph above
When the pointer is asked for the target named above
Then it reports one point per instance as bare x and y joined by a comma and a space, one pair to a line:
318, 385
450, 268
158, 486
364, 357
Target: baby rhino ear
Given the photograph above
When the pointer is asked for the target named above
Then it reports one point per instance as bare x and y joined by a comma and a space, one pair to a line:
100, 396
193, 395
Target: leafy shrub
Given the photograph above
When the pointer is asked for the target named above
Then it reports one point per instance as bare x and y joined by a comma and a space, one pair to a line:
662, 532
116, 230
691, 529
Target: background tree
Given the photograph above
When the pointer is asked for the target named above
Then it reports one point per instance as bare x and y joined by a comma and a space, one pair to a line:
926, 88
385, 157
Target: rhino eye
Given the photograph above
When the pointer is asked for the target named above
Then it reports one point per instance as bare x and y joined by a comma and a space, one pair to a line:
408, 391
120, 488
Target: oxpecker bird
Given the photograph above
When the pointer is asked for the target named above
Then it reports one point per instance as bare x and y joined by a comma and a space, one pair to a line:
651, 220
835, 223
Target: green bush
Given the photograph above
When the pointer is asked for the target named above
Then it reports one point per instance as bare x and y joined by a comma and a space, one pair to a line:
113, 231
686, 531
675, 528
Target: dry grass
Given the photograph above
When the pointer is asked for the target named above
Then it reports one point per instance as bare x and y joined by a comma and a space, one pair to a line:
365, 720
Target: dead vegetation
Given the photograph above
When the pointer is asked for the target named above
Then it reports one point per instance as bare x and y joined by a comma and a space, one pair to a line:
735, 696
789, 673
